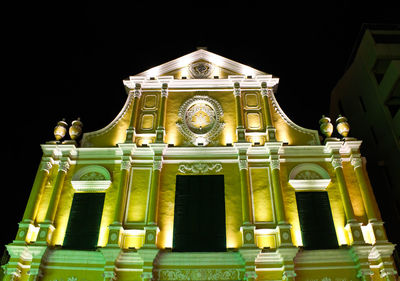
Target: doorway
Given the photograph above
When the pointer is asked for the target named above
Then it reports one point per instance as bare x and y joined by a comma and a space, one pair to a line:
199, 216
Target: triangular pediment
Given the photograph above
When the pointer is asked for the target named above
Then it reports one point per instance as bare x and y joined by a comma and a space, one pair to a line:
201, 64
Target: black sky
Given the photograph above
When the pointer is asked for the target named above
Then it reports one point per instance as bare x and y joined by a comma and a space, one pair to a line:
66, 61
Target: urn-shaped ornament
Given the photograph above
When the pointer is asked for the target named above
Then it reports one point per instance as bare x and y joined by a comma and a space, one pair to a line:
60, 130
342, 126
76, 129
326, 126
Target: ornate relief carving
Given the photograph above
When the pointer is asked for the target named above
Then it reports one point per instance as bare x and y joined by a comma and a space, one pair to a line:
201, 70
200, 120
200, 274
308, 175
93, 176
200, 168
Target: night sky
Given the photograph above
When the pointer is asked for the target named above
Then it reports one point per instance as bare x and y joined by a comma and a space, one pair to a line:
67, 61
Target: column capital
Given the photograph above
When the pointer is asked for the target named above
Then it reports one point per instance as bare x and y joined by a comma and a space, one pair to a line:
137, 92
236, 89
336, 161
126, 165
266, 92
356, 161
243, 164
64, 166
46, 166
164, 90
157, 165
275, 164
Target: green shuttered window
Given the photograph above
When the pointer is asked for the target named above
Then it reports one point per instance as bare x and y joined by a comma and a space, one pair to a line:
84, 221
316, 223
199, 218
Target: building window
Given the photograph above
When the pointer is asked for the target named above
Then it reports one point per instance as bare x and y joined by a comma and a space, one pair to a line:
316, 223
199, 218
84, 221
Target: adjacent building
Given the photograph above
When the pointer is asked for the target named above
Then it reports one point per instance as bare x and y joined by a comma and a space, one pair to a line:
201, 176
369, 95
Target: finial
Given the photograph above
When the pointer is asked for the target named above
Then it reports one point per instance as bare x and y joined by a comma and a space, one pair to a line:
60, 130
342, 126
325, 126
76, 129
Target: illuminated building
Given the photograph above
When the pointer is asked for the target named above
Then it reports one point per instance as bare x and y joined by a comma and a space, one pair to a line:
368, 94
201, 176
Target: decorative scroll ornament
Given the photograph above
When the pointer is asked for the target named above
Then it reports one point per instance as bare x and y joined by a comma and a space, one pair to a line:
200, 168
201, 70
200, 120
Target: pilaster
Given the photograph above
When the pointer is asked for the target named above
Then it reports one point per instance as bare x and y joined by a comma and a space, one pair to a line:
160, 131
266, 94
240, 130
247, 229
130, 132
353, 227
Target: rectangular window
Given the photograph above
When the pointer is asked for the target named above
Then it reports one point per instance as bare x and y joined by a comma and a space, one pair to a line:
316, 223
84, 221
199, 217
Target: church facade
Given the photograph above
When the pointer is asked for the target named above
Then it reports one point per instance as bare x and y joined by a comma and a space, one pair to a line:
201, 176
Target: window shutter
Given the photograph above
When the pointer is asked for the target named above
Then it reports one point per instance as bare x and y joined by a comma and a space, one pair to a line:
316, 223
199, 218
84, 221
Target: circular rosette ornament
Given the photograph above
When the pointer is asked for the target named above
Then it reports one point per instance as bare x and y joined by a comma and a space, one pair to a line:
200, 120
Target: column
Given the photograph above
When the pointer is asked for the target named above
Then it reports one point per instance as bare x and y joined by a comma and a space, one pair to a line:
356, 161
240, 130
47, 228
155, 177
130, 132
244, 188
115, 229
247, 227
33, 202
266, 94
160, 131
374, 222
283, 227
353, 227
151, 228
348, 208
